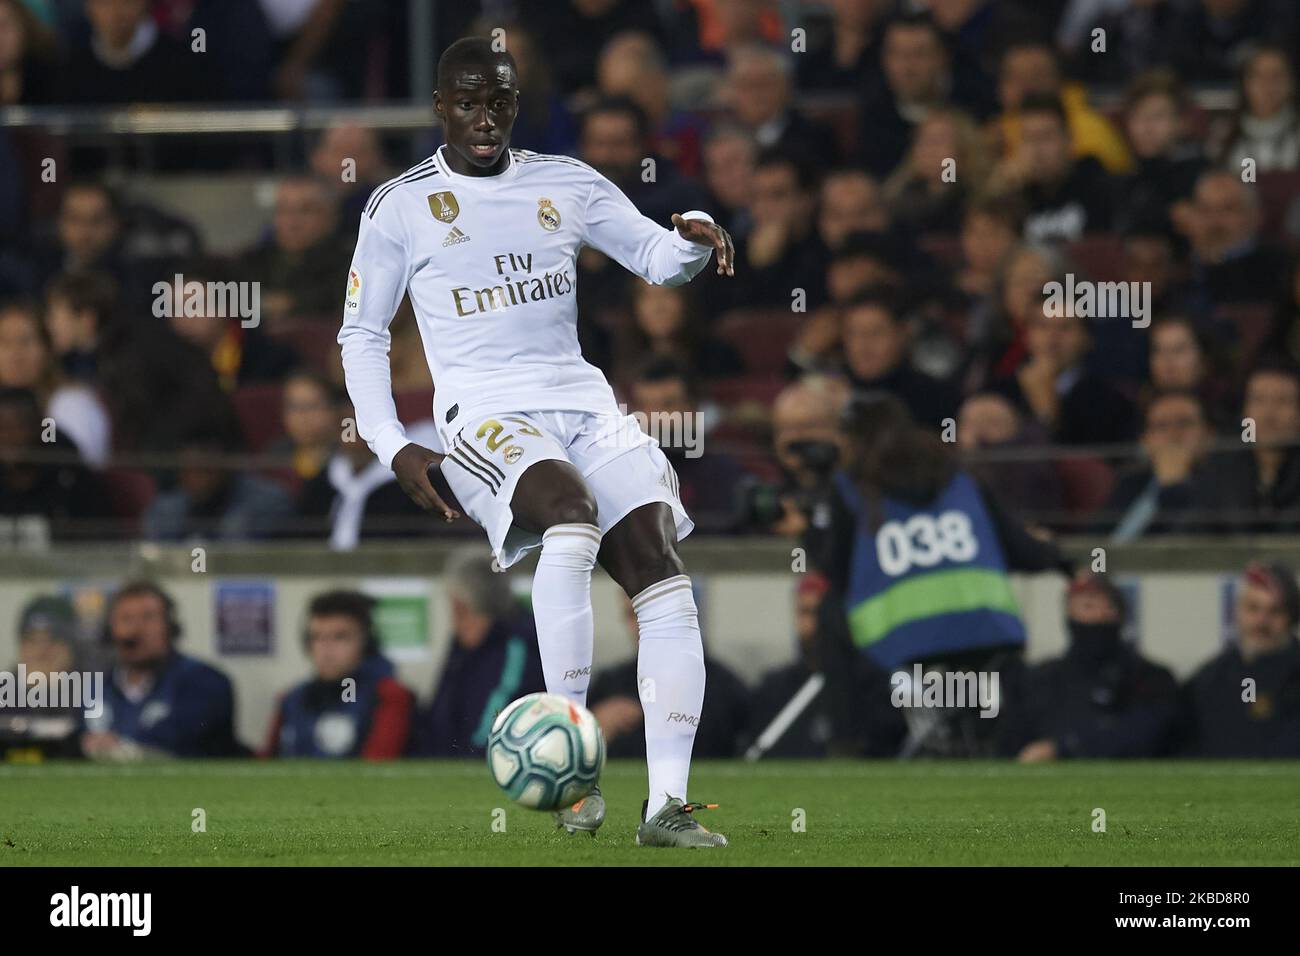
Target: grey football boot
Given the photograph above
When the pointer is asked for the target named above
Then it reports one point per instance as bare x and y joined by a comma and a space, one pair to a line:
586, 815
675, 825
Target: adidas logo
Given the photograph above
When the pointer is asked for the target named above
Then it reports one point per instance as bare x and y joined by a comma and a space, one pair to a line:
454, 237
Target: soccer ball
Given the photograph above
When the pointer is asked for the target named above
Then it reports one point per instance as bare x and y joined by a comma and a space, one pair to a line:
545, 751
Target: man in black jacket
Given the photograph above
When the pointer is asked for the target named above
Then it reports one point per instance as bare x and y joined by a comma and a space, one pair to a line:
1101, 698
1245, 702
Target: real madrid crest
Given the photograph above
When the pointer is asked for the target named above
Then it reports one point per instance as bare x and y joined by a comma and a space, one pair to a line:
444, 207
548, 215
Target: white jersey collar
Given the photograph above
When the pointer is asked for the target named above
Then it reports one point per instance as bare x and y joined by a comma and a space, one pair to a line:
512, 167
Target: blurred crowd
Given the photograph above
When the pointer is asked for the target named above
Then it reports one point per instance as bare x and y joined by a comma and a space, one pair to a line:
903, 179
1101, 698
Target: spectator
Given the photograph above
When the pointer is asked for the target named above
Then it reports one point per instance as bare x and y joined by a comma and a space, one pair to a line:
917, 78
574, 32
45, 491
27, 57
666, 322
759, 97
875, 342
850, 202
304, 263
1152, 496
1230, 262
1101, 699
874, 722
845, 54
1284, 336
632, 65
1182, 359
782, 251
129, 61
1031, 71
1161, 184
311, 408
664, 398
996, 329
990, 226
239, 351
1257, 489
925, 193
24, 350
1206, 40
1056, 386
355, 497
728, 158
545, 123
160, 702
987, 421
212, 501
1265, 130
614, 138
81, 322
47, 651
1245, 701
89, 235
493, 660
806, 444
1066, 197
615, 701
352, 705
351, 159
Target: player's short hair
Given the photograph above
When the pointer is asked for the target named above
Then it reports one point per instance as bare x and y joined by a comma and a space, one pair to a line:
470, 51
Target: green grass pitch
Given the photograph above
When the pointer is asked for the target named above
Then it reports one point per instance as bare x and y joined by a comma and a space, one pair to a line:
442, 813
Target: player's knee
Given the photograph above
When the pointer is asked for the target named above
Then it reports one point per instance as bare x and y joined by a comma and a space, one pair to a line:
573, 509
653, 560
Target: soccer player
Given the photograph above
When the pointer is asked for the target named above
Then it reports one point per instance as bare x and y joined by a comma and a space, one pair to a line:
485, 239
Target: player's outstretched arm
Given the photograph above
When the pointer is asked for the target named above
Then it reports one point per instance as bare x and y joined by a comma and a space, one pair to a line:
709, 233
411, 466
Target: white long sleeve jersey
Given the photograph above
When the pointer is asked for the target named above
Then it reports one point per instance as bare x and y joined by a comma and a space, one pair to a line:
490, 265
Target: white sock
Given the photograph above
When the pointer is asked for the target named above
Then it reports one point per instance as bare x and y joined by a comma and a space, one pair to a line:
562, 607
670, 676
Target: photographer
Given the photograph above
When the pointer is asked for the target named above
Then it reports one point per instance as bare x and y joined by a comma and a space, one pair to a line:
806, 445
918, 556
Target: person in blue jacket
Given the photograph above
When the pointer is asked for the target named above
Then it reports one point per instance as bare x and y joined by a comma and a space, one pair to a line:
158, 701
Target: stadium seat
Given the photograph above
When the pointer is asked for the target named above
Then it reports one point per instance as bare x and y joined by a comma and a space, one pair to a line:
1098, 257
129, 493
1086, 484
1276, 193
762, 336
258, 407
732, 391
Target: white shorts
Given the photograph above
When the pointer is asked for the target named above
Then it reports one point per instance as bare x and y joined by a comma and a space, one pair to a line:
622, 465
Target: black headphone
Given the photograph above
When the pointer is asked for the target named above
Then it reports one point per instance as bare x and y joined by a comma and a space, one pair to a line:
174, 629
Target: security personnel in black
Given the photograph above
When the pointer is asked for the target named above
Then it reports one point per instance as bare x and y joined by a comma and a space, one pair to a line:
1101, 698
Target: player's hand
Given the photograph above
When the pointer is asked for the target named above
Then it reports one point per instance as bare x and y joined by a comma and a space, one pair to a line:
411, 466
709, 233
